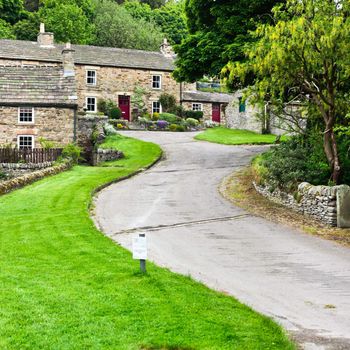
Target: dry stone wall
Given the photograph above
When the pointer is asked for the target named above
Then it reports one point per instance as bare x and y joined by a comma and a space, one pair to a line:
106, 155
18, 169
320, 202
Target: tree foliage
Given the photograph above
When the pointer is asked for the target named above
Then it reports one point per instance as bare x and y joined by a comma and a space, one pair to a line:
306, 52
11, 11
218, 32
67, 21
117, 28
6, 31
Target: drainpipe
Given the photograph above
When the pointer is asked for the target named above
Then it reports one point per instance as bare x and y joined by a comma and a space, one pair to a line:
75, 125
181, 93
265, 116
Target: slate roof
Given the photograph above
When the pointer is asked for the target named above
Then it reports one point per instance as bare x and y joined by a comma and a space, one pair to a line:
90, 55
37, 85
210, 97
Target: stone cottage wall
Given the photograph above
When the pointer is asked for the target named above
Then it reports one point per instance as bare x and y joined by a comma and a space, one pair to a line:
323, 203
54, 124
112, 82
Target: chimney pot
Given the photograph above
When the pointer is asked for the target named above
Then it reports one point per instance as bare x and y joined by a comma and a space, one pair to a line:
45, 39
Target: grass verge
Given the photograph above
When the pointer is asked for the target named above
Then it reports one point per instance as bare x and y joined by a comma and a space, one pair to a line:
238, 189
64, 285
235, 137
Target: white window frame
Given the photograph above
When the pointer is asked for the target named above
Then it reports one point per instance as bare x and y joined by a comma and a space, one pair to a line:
95, 77
19, 115
199, 106
160, 81
95, 104
160, 107
19, 137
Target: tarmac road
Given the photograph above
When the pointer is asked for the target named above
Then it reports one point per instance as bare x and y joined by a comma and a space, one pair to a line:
301, 281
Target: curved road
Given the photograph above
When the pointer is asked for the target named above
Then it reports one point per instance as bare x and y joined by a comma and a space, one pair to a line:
301, 281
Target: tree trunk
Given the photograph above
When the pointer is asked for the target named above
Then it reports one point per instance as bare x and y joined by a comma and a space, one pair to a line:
331, 150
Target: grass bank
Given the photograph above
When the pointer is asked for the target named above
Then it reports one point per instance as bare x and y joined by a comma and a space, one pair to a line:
235, 137
64, 285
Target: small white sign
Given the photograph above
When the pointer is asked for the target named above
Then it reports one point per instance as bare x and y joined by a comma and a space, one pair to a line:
139, 248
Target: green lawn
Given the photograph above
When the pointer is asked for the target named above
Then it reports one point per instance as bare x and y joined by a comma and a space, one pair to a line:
235, 137
64, 285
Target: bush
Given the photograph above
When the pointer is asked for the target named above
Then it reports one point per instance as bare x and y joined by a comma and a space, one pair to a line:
115, 113
162, 124
168, 102
109, 129
173, 127
194, 114
294, 161
180, 128
178, 110
155, 116
3, 176
72, 152
46, 144
192, 122
170, 118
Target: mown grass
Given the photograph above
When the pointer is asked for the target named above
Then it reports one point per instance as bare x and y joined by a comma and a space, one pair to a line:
235, 137
64, 285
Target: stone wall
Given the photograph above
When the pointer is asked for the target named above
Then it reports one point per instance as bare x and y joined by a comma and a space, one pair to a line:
106, 155
320, 202
53, 124
112, 82
26, 179
18, 169
86, 125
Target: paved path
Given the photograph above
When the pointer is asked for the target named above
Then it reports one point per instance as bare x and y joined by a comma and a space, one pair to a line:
301, 281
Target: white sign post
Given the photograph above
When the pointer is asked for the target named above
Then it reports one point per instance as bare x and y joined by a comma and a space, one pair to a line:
139, 250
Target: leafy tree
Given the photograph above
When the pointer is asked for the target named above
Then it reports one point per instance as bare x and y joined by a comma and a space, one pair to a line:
115, 27
139, 10
172, 20
27, 29
218, 32
306, 52
6, 30
31, 5
68, 22
154, 3
11, 10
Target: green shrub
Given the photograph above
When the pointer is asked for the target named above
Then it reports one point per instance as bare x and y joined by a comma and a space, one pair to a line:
296, 160
194, 114
173, 127
180, 128
3, 176
115, 113
155, 116
178, 110
170, 118
46, 144
72, 152
192, 122
168, 102
109, 129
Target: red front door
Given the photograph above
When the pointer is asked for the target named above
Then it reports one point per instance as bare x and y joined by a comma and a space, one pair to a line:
124, 105
216, 112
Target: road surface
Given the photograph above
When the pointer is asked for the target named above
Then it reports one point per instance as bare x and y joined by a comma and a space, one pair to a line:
301, 281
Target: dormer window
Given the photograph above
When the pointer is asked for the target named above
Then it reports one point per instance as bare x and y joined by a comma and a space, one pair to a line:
25, 115
91, 77
156, 82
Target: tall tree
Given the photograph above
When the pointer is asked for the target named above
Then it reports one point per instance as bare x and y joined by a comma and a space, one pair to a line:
115, 27
6, 31
305, 52
11, 10
218, 32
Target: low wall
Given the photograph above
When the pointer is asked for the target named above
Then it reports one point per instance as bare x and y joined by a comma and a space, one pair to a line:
18, 169
105, 155
324, 203
21, 181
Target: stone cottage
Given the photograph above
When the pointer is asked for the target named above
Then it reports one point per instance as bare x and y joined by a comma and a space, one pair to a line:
45, 85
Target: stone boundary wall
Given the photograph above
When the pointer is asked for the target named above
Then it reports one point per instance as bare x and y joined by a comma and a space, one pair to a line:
21, 181
320, 202
105, 155
18, 169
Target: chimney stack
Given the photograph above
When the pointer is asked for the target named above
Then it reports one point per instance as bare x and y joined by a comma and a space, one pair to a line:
45, 40
68, 61
166, 49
